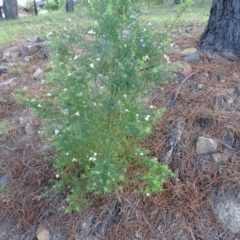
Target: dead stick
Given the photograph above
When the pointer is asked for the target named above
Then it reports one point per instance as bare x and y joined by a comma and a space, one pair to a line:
8, 82
180, 85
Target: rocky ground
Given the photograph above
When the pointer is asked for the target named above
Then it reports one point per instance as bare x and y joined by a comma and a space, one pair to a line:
198, 137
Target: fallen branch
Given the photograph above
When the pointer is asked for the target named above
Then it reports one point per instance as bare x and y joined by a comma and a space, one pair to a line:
9, 81
179, 87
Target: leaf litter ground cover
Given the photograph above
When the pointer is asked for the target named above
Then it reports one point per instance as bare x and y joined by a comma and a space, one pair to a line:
183, 211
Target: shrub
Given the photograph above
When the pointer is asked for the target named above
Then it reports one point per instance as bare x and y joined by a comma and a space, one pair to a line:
97, 111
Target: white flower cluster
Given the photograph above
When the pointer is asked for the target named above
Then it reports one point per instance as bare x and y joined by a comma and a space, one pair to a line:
93, 159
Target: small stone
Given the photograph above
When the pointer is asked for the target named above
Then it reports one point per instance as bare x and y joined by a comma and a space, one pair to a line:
200, 86
34, 39
38, 74
182, 68
29, 129
4, 180
188, 51
193, 57
219, 158
205, 75
84, 225
138, 235
26, 59
205, 145
236, 75
43, 234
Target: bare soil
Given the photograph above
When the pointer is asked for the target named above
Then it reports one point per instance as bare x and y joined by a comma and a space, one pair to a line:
183, 211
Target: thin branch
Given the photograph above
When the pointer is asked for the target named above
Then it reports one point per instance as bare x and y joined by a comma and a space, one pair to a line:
179, 87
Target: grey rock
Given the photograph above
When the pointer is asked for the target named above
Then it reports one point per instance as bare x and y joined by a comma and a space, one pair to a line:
126, 34
200, 86
3, 69
29, 49
38, 74
205, 145
226, 205
34, 39
3, 180
193, 57
219, 158
43, 234
188, 51
11, 54
29, 129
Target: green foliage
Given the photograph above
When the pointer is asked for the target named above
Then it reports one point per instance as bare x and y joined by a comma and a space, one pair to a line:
4, 127
53, 5
97, 111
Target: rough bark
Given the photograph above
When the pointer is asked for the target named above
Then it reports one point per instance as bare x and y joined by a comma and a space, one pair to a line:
35, 7
222, 33
69, 5
10, 8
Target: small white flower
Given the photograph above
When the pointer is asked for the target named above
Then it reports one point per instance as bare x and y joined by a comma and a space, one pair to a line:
65, 29
137, 115
126, 110
151, 106
148, 194
93, 159
94, 104
69, 74
91, 32
141, 40
147, 57
125, 45
167, 58
65, 89
57, 175
125, 96
49, 34
33, 100
149, 24
144, 29
39, 105
147, 117
74, 159
67, 154
69, 19
56, 131
141, 154
77, 114
95, 154
98, 59
96, 23
49, 94
91, 65
75, 57
80, 94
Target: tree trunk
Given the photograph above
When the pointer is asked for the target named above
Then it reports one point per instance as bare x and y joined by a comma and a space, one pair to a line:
222, 33
69, 5
35, 7
10, 8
